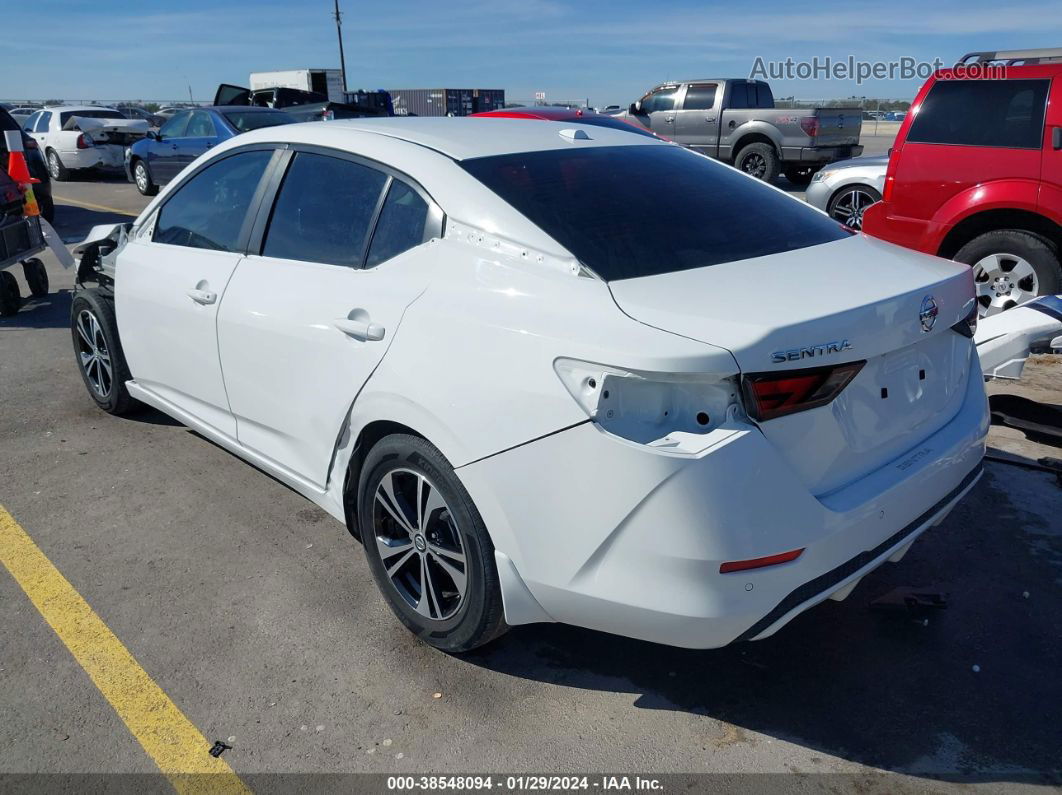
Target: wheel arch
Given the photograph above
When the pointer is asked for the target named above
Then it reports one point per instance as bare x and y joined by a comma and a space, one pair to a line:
992, 220
755, 137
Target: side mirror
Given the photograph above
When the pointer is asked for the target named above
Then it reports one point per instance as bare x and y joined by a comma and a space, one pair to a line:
154, 135
636, 107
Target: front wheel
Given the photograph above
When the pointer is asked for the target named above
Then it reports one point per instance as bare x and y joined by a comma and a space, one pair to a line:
849, 203
99, 352
758, 160
427, 547
1011, 267
10, 298
144, 183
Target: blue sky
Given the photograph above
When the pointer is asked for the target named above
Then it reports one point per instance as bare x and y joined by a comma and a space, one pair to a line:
608, 51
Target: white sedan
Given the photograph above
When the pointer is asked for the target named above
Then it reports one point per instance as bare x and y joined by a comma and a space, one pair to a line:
548, 374
76, 138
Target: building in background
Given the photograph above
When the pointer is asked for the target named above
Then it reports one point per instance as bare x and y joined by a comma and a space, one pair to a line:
446, 101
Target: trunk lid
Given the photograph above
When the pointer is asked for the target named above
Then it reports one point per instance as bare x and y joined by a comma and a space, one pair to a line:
109, 131
857, 299
838, 126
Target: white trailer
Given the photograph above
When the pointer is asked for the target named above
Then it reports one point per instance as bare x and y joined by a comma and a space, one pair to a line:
324, 81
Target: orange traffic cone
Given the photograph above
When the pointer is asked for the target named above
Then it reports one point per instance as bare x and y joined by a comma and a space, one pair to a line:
18, 170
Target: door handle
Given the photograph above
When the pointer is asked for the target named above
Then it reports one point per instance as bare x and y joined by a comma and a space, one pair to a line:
360, 329
1056, 138
709, 118
203, 296
669, 119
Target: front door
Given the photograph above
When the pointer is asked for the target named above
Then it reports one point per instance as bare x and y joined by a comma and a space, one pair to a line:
163, 154
172, 284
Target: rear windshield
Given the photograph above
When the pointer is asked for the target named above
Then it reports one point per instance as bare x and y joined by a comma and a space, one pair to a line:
627, 211
250, 120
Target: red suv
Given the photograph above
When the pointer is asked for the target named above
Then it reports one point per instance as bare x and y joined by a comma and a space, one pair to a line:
975, 174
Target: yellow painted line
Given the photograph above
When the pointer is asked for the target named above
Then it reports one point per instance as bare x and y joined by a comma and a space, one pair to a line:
91, 206
170, 739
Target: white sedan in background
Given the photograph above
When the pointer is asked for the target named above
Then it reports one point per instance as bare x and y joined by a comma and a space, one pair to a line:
76, 138
846, 188
537, 386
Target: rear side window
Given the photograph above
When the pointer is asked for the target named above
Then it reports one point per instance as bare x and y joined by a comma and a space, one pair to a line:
200, 125
627, 211
43, 122
401, 224
700, 96
997, 113
324, 210
208, 211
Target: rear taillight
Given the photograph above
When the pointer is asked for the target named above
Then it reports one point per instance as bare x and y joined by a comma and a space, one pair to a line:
810, 125
85, 141
770, 395
886, 191
968, 325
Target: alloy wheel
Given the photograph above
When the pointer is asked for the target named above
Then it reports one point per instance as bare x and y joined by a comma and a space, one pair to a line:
755, 164
140, 174
420, 544
53, 165
93, 354
1003, 281
850, 206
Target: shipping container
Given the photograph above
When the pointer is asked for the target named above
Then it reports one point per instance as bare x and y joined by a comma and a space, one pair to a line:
323, 81
446, 101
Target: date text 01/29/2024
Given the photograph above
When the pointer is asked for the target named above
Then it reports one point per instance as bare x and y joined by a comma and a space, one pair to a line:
523, 783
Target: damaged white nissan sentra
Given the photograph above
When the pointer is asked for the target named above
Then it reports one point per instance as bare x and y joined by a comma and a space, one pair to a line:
548, 374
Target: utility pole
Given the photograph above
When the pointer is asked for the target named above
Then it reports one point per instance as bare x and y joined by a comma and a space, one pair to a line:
339, 33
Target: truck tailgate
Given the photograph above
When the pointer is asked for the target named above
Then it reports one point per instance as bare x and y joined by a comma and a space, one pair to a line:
838, 126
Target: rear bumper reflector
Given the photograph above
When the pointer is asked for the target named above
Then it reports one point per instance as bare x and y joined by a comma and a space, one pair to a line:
759, 563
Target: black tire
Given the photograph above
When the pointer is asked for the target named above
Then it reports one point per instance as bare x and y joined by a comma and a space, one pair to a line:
477, 616
111, 395
36, 277
800, 175
849, 203
1038, 252
56, 169
47, 205
10, 298
758, 160
142, 178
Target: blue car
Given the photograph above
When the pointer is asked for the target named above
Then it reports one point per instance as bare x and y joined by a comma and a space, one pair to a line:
158, 158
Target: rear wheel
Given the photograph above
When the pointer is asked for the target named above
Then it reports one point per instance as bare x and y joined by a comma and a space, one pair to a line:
1011, 267
56, 168
10, 299
758, 160
849, 203
99, 352
36, 277
799, 175
427, 547
144, 183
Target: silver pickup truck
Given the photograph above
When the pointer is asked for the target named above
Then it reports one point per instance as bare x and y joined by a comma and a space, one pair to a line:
736, 121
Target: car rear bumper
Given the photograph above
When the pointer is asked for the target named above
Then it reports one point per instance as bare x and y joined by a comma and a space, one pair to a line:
106, 156
881, 221
623, 538
820, 154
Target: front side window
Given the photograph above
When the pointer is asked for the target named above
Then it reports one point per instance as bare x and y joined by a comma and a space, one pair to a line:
660, 99
324, 210
700, 96
996, 113
176, 126
687, 211
401, 224
200, 125
208, 211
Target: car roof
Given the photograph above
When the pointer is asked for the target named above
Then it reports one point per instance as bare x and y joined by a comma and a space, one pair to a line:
461, 138
75, 108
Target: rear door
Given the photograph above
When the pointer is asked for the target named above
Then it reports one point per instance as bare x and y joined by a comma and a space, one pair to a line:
968, 133
697, 120
1050, 200
199, 136
310, 314
174, 276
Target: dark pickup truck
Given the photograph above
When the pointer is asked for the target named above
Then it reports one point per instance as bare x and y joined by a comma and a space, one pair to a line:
307, 105
736, 121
